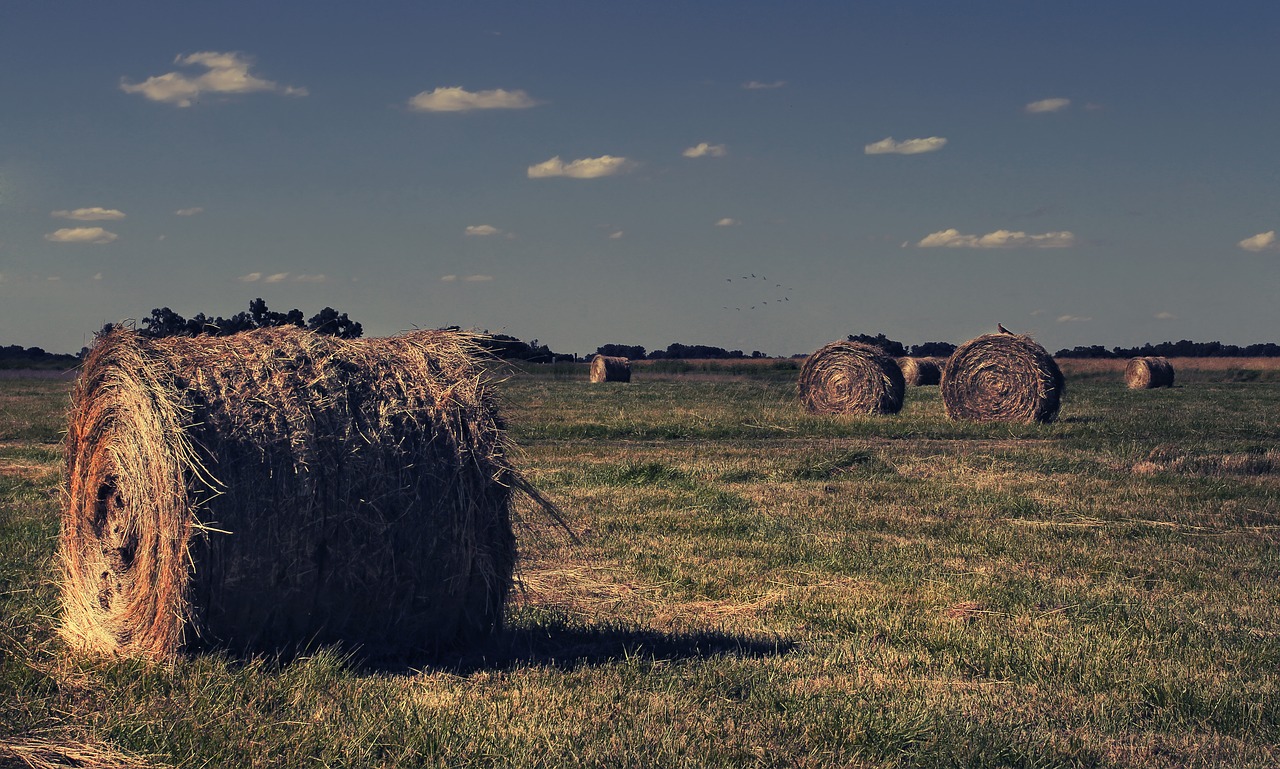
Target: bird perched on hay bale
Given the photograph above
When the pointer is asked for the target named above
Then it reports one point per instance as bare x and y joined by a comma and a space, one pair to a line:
920, 372
851, 378
278, 489
1002, 377
1147, 372
607, 368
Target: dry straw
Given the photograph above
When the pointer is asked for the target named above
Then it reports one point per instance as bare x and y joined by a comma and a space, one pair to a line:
1148, 372
1002, 377
606, 368
278, 489
920, 372
851, 378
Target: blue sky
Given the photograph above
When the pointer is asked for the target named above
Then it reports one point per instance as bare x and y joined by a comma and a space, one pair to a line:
763, 176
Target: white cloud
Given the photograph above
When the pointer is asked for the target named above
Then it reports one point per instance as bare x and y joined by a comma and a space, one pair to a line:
54, 278
1073, 319
1260, 242
586, 168
81, 235
756, 85
616, 236
888, 146
278, 277
1166, 316
448, 278
320, 278
97, 276
1047, 105
482, 230
455, 99
728, 222
478, 278
189, 211
225, 73
93, 214
702, 149
252, 277
952, 238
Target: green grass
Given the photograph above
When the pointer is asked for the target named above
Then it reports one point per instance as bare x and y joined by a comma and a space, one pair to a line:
755, 586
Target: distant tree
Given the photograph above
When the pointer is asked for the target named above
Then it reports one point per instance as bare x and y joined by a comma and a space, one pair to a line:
892, 348
675, 350
631, 351
164, 322
330, 321
932, 350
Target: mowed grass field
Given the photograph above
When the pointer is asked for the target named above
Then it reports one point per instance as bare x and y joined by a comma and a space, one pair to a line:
754, 586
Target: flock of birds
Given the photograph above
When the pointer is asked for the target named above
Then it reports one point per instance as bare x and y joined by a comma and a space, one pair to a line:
754, 284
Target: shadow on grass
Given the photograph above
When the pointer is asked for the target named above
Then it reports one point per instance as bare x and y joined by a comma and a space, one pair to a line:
568, 647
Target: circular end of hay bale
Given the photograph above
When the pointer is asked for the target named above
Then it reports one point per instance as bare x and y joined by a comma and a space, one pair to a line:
1002, 377
607, 368
278, 490
1147, 372
851, 378
920, 372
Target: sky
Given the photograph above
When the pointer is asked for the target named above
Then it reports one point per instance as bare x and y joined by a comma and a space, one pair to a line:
752, 175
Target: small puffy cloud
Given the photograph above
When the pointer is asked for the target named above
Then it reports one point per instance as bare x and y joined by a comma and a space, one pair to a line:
224, 73
278, 277
585, 168
888, 146
478, 278
455, 99
756, 85
616, 235
728, 222
189, 211
320, 278
97, 276
703, 150
1166, 316
252, 277
1260, 242
448, 278
1047, 105
1073, 319
952, 238
81, 235
482, 230
93, 214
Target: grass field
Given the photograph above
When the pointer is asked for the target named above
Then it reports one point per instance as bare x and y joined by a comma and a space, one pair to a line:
754, 586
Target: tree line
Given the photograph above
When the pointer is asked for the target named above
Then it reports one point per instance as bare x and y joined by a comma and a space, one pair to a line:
165, 322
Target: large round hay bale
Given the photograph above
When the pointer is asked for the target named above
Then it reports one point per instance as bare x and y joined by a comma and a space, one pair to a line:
606, 368
1002, 377
1147, 372
851, 378
277, 489
920, 372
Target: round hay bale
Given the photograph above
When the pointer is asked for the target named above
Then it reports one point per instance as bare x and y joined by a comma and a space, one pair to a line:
920, 372
606, 368
1148, 372
851, 378
276, 490
1002, 377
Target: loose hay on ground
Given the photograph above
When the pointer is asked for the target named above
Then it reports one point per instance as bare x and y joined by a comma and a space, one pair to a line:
851, 378
278, 489
1002, 377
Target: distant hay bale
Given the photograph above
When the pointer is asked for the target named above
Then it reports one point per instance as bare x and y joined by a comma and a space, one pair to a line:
851, 378
1002, 377
920, 372
606, 368
1148, 372
278, 489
